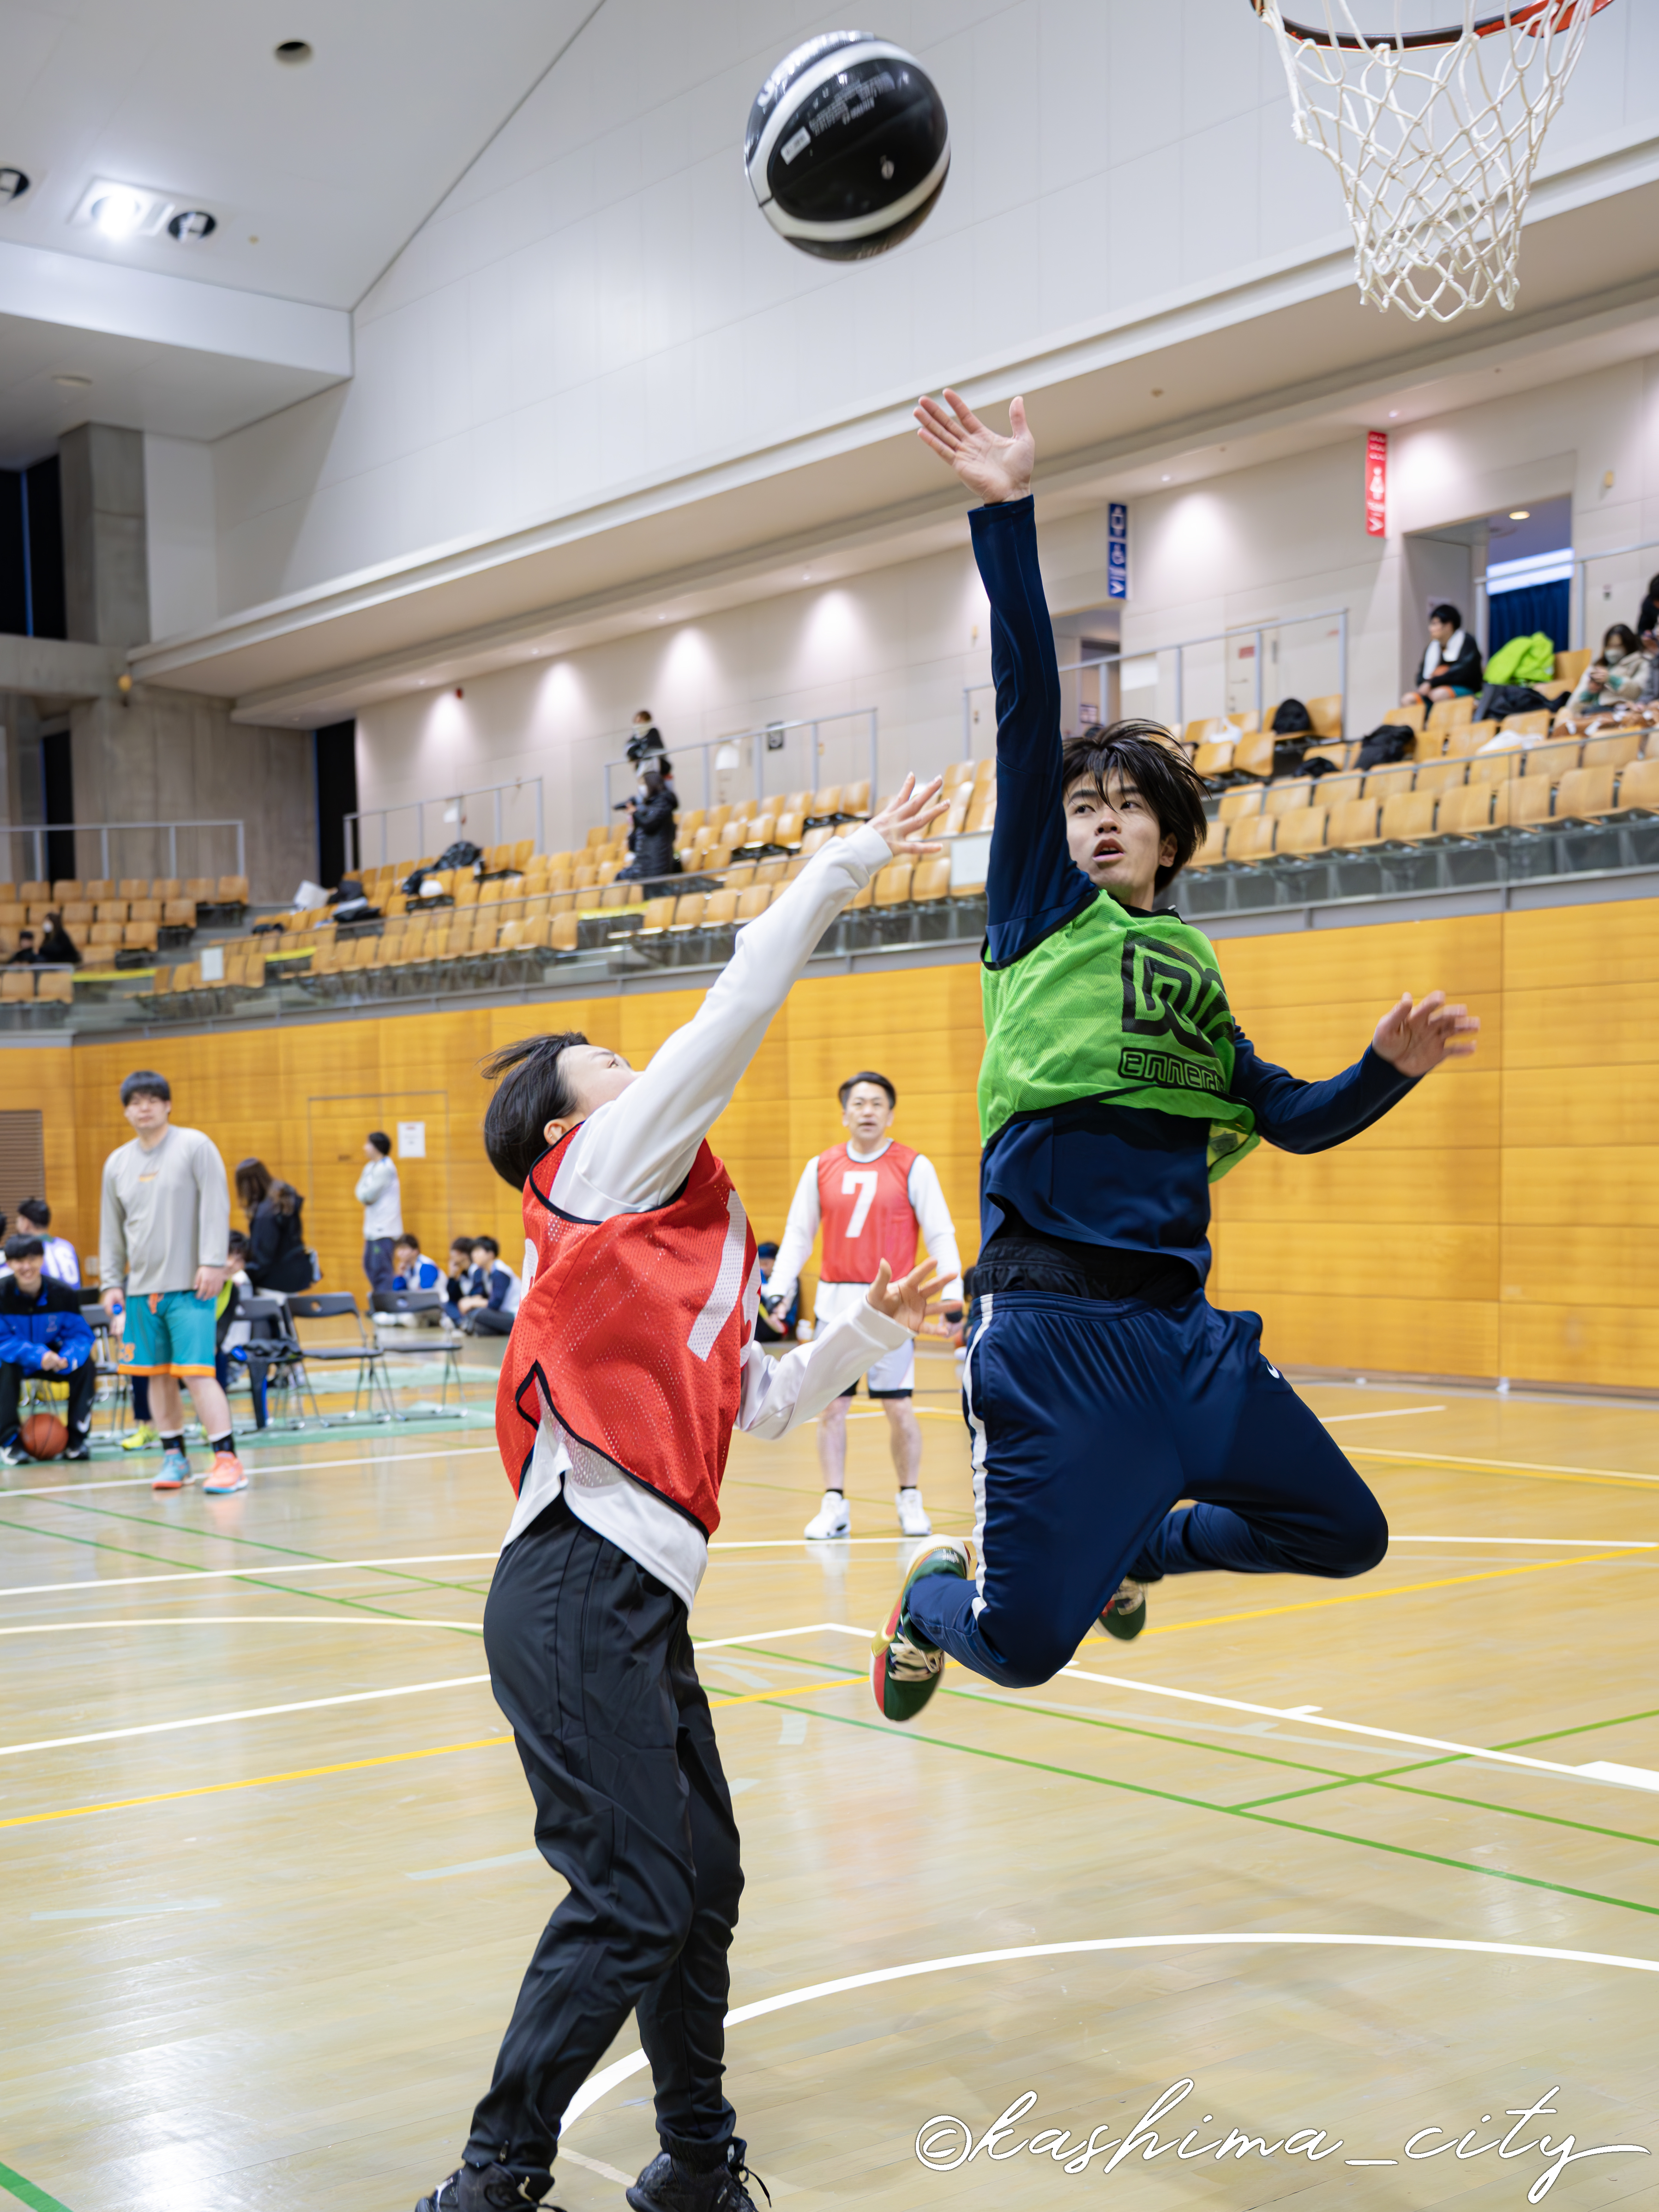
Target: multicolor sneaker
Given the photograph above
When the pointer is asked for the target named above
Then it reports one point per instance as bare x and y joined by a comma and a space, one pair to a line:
1124, 1614
226, 1474
904, 1669
144, 1438
175, 1473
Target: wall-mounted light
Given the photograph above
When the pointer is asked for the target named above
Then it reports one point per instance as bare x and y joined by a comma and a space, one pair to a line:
14, 183
118, 210
67, 380
295, 53
1520, 514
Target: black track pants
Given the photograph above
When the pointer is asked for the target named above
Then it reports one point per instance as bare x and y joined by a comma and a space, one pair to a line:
590, 1662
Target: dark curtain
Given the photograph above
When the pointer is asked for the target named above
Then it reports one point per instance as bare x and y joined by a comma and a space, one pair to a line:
32, 594
337, 797
1534, 607
14, 600
58, 788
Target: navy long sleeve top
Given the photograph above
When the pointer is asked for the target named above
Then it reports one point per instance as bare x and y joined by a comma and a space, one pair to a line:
1127, 1178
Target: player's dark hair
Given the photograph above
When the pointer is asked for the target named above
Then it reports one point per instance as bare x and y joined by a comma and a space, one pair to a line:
1447, 612
530, 1091
35, 1211
461, 1242
867, 1075
25, 1247
381, 1142
1144, 755
488, 1243
145, 1083
408, 1241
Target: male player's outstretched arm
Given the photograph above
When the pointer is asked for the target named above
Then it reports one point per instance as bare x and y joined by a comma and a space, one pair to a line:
1033, 885
1413, 1039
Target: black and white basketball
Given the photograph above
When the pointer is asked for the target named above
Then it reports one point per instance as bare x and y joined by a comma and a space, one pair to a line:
847, 147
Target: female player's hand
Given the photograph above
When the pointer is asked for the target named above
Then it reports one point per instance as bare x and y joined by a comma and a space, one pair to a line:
1415, 1039
996, 468
906, 1299
904, 819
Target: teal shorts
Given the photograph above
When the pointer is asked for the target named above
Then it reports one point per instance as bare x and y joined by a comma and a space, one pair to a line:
168, 1333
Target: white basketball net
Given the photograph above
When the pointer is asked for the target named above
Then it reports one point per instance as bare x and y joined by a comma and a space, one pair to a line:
1435, 142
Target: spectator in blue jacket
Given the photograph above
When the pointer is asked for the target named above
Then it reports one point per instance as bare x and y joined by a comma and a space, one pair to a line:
500, 1287
414, 1270
43, 1331
463, 1291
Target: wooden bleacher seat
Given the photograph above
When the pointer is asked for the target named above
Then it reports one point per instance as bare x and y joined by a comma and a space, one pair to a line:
1585, 794
599, 836
1214, 847
1496, 768
959, 772
1215, 756
140, 933
1243, 799
855, 797
719, 908
167, 887
1553, 760
1336, 790
105, 933
1408, 817
17, 984
1301, 830
1613, 750
1449, 715
13, 915
233, 890
1254, 755
1440, 776
561, 933
1353, 824
111, 910
1252, 839
99, 887
178, 913
754, 900
1412, 715
892, 884
34, 894
1382, 783
1536, 725
982, 814
75, 911
1287, 797
688, 911
200, 888
1522, 803
55, 983
930, 882
188, 977
1569, 666
1326, 714
131, 887
144, 910
67, 887
1341, 753
790, 830
1465, 811
758, 831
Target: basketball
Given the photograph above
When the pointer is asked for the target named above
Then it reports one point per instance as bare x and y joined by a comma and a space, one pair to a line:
847, 147
43, 1436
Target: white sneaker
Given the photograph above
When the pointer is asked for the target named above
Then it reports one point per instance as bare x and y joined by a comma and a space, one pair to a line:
912, 1514
831, 1519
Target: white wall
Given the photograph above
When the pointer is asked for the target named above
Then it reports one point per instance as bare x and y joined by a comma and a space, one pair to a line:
183, 546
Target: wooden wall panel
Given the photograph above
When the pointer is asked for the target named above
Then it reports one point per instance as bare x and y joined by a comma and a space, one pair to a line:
1498, 1222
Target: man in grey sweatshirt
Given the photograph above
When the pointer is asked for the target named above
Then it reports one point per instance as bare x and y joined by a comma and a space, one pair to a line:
162, 1263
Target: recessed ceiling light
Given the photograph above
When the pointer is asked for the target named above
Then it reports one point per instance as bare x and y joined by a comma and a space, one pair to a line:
1394, 414
192, 223
1164, 480
70, 382
14, 183
118, 212
293, 52
1520, 514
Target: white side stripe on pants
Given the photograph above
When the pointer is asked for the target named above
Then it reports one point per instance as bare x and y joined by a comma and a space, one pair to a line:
976, 1427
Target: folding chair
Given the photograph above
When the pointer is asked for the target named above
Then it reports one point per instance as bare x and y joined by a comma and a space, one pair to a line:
445, 1347
275, 1358
365, 1352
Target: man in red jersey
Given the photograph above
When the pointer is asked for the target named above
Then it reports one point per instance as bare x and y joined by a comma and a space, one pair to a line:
872, 1197
632, 1358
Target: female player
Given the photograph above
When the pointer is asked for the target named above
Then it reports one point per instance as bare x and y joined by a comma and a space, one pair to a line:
1101, 1386
632, 1358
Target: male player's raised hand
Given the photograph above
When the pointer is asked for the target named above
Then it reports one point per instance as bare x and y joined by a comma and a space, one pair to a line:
996, 468
1416, 1038
905, 1300
903, 821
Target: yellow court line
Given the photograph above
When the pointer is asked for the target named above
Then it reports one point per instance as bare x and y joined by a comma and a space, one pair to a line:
356, 1765
1399, 1589
1603, 1474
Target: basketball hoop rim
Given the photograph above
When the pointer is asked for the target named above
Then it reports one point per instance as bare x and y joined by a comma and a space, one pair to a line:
1532, 17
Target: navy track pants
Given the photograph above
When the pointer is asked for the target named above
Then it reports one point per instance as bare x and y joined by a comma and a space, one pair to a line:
1090, 1418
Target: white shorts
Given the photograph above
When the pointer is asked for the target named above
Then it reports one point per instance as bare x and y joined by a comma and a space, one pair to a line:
894, 1375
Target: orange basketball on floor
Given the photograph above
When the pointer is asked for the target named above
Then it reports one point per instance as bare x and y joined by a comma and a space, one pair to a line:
43, 1436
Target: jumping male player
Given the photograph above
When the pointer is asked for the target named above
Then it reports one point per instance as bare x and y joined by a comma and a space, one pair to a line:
872, 1196
631, 1360
1101, 1386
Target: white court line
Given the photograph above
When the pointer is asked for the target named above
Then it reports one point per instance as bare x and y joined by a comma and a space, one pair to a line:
1407, 1456
259, 1467
221, 1574
238, 1620
476, 1866
598, 2085
1382, 1414
1560, 1543
248, 1713
1624, 1778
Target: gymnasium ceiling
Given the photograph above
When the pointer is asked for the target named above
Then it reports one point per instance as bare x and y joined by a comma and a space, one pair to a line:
317, 175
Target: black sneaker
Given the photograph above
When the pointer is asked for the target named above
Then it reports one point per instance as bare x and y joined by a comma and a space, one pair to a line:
482, 2188
13, 1455
79, 1448
666, 2185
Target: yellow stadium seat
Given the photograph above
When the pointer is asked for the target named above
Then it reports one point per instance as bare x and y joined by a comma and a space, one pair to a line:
1528, 800
1529, 726
1302, 831
688, 911
15, 985
57, 983
1326, 715
959, 772
789, 829
1252, 839
1496, 768
930, 881
1287, 797
109, 910
1613, 751
1448, 714
1354, 824
35, 894
754, 900
1569, 666
1469, 738
1254, 754
892, 884
599, 836
855, 797
562, 932
1584, 795
720, 908
104, 887
1243, 799
1437, 776
1408, 817
142, 934
1214, 847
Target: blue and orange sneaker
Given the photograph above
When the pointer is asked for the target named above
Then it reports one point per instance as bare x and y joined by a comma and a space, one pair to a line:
905, 1670
175, 1473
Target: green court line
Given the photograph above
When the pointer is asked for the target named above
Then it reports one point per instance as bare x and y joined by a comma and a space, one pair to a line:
252, 1579
28, 2193
1202, 1805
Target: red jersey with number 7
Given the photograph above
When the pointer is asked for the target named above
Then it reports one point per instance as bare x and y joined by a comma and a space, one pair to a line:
632, 1334
864, 1206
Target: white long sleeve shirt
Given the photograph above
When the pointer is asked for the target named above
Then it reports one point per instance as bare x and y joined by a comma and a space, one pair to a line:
379, 1195
633, 1153
939, 1233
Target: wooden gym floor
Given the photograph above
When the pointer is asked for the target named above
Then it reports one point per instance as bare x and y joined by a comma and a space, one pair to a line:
269, 1885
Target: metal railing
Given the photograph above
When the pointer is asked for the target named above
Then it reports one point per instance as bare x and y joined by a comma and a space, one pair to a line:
37, 832
453, 816
765, 740
1255, 636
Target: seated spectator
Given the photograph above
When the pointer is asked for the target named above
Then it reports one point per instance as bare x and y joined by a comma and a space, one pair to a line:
412, 1270
492, 1313
1617, 676
232, 1330
769, 1328
42, 1331
1451, 665
1647, 621
277, 1258
464, 1292
26, 955
63, 1261
650, 839
58, 948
